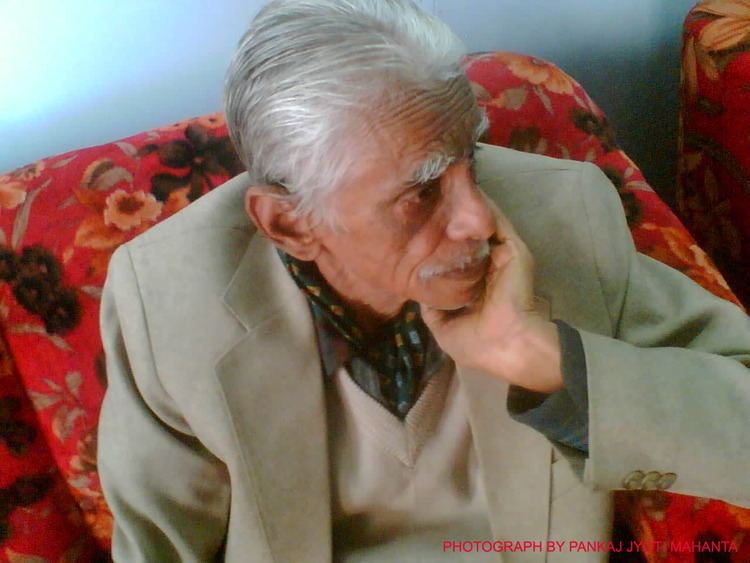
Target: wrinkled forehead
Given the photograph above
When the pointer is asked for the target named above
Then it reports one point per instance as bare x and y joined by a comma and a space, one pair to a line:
439, 120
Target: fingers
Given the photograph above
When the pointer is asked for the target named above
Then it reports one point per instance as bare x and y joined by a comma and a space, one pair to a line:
503, 253
506, 234
504, 228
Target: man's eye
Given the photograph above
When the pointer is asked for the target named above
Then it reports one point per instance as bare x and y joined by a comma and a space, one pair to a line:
429, 190
422, 197
427, 193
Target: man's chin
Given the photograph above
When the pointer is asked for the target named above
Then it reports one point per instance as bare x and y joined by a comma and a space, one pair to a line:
454, 298
452, 308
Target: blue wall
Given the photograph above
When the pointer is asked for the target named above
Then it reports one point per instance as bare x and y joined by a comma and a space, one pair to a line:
81, 72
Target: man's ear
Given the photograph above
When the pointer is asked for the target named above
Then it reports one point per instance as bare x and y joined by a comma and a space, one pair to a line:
275, 217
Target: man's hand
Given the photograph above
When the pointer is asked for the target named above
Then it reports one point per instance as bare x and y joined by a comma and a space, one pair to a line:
502, 333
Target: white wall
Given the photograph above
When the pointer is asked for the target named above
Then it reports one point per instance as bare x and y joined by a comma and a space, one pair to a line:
80, 72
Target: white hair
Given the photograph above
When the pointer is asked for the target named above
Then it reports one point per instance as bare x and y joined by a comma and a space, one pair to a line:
308, 74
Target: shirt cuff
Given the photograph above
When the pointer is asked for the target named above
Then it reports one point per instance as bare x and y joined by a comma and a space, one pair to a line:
562, 416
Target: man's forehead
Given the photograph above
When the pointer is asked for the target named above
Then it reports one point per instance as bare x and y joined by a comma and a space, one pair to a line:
444, 116
430, 130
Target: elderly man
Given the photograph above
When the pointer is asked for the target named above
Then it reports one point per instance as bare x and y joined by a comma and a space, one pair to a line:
370, 367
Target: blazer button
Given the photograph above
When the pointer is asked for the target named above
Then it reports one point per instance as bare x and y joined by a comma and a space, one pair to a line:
651, 480
633, 480
666, 480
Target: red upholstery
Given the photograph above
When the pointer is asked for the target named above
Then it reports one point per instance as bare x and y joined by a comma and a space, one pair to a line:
714, 162
65, 217
533, 106
62, 217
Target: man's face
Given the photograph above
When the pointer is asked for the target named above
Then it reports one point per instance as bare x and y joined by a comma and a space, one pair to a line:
403, 241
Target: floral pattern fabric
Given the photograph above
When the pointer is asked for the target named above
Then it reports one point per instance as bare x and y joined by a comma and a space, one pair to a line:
38, 514
61, 218
714, 159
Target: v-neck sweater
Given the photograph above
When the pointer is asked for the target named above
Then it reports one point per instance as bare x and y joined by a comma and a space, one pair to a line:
402, 489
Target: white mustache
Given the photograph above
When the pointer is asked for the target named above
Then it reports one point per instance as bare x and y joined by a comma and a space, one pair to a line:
461, 263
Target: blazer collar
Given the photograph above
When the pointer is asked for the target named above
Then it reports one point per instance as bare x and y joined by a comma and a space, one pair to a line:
273, 386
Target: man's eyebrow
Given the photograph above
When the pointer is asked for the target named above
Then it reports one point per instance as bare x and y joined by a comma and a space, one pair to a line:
432, 167
424, 174
428, 170
436, 164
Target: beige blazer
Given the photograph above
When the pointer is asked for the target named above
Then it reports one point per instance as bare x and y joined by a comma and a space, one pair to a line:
212, 438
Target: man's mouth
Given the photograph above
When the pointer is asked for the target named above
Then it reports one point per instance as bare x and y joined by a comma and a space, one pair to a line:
472, 270
468, 266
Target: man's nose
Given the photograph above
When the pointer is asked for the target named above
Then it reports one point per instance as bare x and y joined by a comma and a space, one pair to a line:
469, 216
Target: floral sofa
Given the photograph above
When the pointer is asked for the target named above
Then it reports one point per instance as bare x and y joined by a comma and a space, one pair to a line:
713, 193
62, 217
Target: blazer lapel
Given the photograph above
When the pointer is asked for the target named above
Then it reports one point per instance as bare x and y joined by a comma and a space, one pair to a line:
273, 386
515, 465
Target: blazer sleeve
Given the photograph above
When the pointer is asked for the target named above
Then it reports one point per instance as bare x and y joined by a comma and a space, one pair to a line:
169, 496
669, 394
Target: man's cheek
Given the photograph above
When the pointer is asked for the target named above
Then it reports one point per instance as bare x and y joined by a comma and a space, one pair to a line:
421, 250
